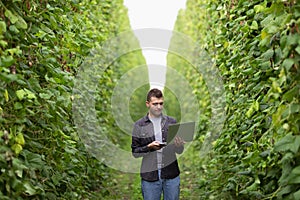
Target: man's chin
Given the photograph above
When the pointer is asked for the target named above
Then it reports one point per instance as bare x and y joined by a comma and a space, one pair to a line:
158, 114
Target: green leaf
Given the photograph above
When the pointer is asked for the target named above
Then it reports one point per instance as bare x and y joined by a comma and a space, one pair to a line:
56, 178
13, 29
298, 49
45, 95
30, 95
292, 93
21, 23
20, 94
294, 179
3, 43
283, 142
53, 21
29, 189
268, 54
19, 173
288, 143
7, 61
264, 35
13, 19
2, 27
254, 107
296, 144
254, 25
285, 190
264, 154
296, 170
14, 51
33, 160
258, 8
297, 195
267, 21
249, 70
261, 7
291, 109
293, 39
19, 167
6, 95
18, 106
20, 139
17, 148
288, 63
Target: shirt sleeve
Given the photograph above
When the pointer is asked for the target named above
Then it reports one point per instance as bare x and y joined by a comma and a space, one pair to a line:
137, 149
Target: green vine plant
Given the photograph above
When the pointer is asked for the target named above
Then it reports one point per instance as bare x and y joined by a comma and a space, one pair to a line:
42, 46
255, 45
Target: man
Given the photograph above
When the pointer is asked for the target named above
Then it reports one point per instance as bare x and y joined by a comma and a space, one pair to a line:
159, 170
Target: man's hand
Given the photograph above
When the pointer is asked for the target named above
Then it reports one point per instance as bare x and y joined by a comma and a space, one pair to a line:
155, 145
178, 141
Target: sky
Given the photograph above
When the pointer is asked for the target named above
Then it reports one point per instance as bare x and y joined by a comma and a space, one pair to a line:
159, 14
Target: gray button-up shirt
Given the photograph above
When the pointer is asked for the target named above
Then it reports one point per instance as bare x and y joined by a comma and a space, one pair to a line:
142, 135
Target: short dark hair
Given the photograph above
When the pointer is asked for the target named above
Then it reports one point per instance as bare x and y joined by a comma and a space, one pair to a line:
154, 93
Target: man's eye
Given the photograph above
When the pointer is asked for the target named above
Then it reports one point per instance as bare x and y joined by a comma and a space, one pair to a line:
155, 104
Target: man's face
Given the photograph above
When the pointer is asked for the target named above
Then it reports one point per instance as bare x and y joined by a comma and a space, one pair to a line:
155, 106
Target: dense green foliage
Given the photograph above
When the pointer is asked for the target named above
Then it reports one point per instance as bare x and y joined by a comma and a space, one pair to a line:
42, 45
255, 46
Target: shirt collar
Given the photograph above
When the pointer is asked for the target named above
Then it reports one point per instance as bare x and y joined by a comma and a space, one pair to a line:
147, 119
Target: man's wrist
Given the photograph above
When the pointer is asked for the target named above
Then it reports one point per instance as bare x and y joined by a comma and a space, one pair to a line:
149, 147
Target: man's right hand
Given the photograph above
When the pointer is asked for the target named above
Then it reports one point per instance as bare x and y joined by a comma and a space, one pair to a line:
155, 145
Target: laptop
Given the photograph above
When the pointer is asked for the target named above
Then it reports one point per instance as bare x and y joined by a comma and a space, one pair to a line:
184, 130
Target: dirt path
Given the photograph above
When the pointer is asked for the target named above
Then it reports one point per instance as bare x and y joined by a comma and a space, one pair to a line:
126, 186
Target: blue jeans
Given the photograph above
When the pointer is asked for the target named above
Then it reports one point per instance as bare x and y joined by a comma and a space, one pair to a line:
169, 187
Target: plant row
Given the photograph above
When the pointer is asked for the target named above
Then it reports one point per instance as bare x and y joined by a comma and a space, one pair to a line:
255, 47
43, 45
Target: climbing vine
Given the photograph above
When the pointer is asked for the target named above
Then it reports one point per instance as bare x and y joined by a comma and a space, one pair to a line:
255, 45
42, 46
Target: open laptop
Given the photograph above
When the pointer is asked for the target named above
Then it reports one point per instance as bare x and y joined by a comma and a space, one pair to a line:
183, 130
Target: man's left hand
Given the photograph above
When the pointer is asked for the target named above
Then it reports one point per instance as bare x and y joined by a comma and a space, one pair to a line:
178, 141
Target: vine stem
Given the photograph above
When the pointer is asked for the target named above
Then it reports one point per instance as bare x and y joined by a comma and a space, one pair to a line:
3, 5
273, 195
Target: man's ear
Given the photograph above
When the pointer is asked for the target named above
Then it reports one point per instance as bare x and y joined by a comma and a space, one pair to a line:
147, 104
